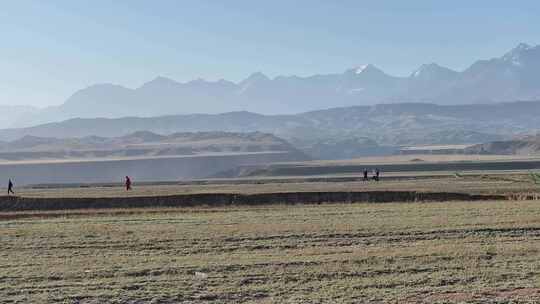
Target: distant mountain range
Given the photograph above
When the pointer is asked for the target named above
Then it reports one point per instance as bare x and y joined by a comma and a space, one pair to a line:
333, 133
513, 76
145, 144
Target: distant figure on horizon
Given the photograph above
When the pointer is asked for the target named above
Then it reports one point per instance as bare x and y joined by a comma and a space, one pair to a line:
10, 187
377, 174
128, 183
366, 178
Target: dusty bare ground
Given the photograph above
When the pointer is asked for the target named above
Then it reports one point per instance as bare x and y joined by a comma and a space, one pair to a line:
483, 252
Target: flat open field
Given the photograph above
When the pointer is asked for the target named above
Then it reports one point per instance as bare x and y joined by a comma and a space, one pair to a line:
288, 252
476, 182
459, 252
399, 159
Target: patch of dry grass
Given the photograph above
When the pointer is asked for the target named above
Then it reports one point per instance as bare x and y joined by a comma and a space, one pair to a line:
394, 253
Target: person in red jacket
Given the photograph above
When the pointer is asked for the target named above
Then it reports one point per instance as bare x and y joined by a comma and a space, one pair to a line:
128, 183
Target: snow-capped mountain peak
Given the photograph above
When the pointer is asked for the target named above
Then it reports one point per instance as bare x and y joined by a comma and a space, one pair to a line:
257, 76
432, 70
423, 68
515, 55
511, 76
360, 69
522, 47
366, 70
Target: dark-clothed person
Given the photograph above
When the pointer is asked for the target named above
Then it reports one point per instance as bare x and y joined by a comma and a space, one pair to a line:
128, 183
10, 187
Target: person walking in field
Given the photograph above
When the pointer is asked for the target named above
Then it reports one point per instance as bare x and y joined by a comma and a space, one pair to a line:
10, 187
377, 174
366, 178
128, 183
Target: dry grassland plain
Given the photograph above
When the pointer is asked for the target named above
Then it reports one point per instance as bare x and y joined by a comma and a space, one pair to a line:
455, 252
445, 252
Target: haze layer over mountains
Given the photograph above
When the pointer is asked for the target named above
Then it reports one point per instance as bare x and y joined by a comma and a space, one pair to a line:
333, 133
510, 77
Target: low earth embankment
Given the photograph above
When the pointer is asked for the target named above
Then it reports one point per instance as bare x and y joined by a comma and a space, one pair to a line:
236, 192
8, 203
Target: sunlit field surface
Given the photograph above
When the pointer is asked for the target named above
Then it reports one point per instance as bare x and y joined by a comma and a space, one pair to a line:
474, 183
451, 252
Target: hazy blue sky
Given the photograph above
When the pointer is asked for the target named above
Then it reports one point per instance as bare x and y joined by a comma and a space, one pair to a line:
52, 48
